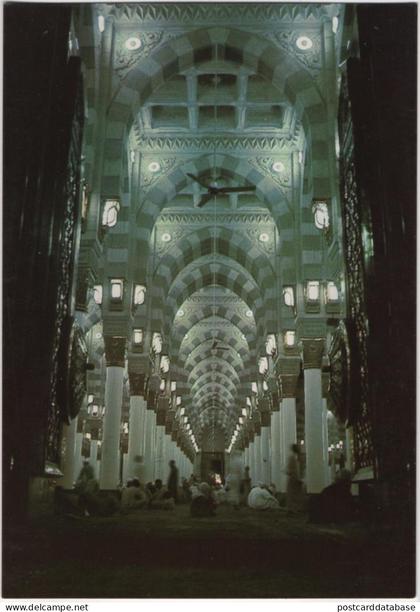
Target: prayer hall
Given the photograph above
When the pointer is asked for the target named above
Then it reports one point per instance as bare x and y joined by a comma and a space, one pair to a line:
209, 300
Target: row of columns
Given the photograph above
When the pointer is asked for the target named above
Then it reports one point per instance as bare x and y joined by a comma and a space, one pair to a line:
267, 455
149, 447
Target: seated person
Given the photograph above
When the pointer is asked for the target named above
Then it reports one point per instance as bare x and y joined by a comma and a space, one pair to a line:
203, 504
219, 494
133, 496
335, 503
161, 498
260, 498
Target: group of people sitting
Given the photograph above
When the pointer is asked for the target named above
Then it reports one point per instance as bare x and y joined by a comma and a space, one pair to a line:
334, 504
154, 496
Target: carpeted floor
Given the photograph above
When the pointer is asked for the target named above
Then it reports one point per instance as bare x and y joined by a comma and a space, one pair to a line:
234, 554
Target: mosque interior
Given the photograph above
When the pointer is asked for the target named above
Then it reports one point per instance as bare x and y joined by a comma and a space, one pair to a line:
209, 232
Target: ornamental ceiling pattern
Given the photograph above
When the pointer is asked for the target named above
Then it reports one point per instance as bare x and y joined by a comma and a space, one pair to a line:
225, 96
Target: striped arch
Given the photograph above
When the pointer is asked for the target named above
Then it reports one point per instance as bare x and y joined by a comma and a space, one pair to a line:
260, 55
203, 369
211, 388
229, 336
197, 355
168, 186
217, 377
228, 314
242, 48
225, 242
205, 272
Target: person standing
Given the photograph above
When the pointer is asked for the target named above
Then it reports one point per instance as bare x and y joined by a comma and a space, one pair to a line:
173, 481
294, 483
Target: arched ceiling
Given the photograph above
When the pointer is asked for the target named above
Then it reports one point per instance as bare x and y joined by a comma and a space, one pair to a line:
230, 94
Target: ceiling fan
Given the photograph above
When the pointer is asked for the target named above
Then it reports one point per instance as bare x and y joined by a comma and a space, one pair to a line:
216, 345
213, 191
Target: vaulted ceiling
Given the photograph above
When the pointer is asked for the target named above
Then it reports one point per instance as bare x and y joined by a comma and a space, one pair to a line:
235, 95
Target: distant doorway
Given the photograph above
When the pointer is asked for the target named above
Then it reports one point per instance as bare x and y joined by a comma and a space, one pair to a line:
212, 467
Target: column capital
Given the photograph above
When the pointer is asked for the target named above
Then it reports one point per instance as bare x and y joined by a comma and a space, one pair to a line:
136, 380
289, 385
313, 349
115, 350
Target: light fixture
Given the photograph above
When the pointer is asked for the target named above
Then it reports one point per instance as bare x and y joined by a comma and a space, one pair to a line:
180, 313
321, 214
332, 292
116, 289
304, 43
133, 43
335, 24
278, 167
157, 343
139, 295
166, 237
300, 157
289, 296
137, 336
110, 213
98, 335
132, 156
263, 365
248, 313
101, 23
271, 345
312, 291
154, 167
263, 237
290, 338
164, 363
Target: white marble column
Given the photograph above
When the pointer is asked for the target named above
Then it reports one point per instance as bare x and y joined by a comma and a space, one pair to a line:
110, 463
253, 469
327, 471
246, 456
314, 433
78, 459
136, 436
149, 434
93, 459
288, 435
265, 455
159, 465
125, 469
69, 433
349, 456
276, 464
257, 456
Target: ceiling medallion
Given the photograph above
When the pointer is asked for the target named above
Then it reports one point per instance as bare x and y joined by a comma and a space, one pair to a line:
278, 166
304, 43
154, 167
133, 43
